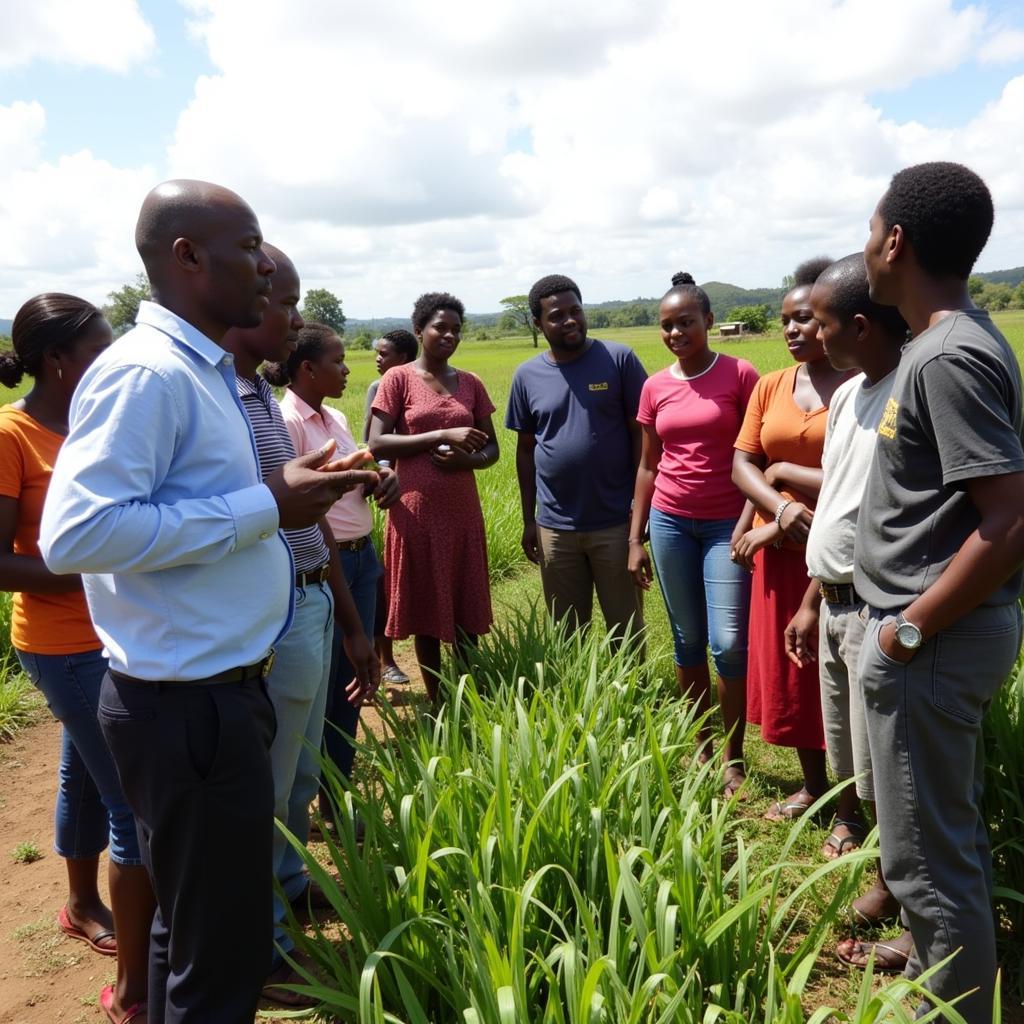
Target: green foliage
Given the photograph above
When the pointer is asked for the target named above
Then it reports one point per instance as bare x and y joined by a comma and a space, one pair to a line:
26, 853
755, 317
1004, 807
122, 306
546, 848
517, 314
361, 341
324, 307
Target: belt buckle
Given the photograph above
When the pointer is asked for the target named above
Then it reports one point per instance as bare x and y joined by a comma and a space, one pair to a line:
268, 664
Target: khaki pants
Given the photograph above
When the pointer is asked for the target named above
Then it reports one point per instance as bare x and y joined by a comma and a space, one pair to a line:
573, 564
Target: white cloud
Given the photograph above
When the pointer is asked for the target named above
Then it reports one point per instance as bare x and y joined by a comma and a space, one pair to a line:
108, 34
393, 148
1004, 47
68, 224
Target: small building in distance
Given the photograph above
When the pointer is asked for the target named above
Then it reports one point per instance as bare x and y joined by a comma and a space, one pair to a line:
732, 329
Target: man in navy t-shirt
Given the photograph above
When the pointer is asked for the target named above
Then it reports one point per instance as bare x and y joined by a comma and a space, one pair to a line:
574, 409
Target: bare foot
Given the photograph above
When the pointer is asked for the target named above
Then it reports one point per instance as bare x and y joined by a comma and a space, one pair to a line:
735, 780
791, 808
877, 907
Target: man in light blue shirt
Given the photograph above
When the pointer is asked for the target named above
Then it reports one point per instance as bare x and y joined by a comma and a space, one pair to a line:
156, 499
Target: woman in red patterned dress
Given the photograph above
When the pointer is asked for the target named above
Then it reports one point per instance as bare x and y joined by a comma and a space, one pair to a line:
435, 422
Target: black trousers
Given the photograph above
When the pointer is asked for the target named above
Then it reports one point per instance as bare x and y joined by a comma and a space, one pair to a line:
195, 768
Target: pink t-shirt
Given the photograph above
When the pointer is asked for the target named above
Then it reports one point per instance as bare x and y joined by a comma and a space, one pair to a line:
349, 517
697, 421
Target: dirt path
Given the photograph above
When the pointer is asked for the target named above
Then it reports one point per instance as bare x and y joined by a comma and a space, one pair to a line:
46, 977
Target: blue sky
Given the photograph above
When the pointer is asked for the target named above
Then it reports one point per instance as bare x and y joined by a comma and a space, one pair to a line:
476, 148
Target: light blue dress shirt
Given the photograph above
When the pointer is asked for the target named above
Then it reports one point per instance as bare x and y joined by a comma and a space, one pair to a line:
156, 499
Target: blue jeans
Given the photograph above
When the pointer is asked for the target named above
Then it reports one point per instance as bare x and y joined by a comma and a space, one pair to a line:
91, 808
297, 687
706, 594
362, 571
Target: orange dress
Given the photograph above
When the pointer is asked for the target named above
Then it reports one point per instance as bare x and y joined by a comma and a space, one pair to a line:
783, 699
435, 549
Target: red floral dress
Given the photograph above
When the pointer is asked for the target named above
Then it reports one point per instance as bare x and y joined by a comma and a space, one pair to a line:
435, 549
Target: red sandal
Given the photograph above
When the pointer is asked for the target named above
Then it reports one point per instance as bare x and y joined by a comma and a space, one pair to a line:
72, 931
132, 1014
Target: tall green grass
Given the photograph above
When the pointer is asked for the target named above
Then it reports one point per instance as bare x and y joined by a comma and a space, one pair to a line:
1003, 811
547, 849
20, 702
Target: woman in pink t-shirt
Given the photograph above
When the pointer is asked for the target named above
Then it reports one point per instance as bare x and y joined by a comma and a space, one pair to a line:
690, 414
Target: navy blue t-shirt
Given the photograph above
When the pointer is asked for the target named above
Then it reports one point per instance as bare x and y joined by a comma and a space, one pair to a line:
580, 414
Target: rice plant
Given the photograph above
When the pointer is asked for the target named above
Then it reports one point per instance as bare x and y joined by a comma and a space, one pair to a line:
548, 849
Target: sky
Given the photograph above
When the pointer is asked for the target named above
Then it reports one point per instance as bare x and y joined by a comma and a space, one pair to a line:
419, 145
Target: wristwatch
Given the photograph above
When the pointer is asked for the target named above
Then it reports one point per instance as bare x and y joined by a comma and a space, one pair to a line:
908, 636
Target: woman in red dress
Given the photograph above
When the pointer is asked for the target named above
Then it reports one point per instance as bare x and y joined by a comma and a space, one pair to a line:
434, 422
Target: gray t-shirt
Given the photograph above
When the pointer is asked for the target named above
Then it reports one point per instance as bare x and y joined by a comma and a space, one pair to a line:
954, 416
853, 417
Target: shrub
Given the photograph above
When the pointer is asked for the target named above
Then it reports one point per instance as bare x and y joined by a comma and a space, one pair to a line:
755, 317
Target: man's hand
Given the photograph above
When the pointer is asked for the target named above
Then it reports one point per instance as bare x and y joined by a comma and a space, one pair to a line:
639, 565
802, 637
306, 487
363, 659
889, 647
531, 547
751, 542
387, 491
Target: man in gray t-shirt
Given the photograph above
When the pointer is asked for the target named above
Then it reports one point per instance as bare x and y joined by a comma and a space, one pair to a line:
938, 554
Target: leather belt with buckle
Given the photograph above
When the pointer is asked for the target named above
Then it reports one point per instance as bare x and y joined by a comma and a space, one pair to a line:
320, 575
241, 674
354, 545
839, 593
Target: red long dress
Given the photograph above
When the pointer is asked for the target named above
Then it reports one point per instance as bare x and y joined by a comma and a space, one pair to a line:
783, 699
435, 548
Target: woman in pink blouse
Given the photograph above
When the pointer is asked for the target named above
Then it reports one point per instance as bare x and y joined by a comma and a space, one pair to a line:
314, 371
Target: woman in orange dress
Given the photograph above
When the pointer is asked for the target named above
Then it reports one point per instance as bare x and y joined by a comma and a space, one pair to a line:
777, 465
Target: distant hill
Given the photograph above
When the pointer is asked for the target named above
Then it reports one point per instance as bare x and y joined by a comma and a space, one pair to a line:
5, 327
723, 298
1010, 277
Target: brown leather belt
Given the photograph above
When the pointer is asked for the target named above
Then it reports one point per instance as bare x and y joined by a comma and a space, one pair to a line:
242, 674
304, 579
839, 593
354, 545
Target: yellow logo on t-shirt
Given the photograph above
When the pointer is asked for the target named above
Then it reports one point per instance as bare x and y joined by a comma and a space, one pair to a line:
603, 386
887, 428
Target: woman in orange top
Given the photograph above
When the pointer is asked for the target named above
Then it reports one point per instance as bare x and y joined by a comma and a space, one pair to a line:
56, 337
777, 465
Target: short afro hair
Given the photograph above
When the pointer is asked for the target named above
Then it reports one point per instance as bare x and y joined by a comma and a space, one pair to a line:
430, 303
553, 284
946, 213
404, 342
684, 284
847, 284
809, 271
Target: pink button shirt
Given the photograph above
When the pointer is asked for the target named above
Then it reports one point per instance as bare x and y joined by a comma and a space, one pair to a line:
350, 517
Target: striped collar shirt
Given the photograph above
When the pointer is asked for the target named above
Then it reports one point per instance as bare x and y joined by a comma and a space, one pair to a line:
274, 448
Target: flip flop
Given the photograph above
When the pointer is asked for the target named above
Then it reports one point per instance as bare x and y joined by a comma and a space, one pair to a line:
72, 931
840, 843
132, 1014
882, 966
790, 811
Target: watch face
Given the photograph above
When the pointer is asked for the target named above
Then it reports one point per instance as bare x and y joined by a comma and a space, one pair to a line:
908, 635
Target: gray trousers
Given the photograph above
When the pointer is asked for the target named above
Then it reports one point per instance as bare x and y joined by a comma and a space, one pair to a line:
924, 731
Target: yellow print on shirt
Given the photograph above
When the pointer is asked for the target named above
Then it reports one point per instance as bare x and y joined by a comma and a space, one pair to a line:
887, 428
603, 386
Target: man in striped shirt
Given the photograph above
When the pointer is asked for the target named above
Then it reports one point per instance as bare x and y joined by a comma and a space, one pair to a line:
298, 680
